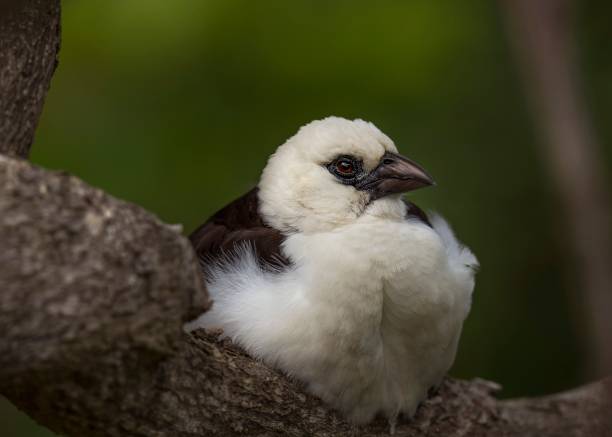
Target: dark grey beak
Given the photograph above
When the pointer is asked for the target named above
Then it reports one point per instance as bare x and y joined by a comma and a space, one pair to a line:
394, 174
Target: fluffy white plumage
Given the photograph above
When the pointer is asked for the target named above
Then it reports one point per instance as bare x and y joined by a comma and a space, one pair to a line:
370, 313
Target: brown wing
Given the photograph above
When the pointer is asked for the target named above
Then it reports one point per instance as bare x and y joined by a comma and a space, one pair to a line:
414, 212
239, 223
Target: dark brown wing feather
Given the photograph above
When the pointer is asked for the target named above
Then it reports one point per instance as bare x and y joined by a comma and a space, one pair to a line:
414, 212
239, 222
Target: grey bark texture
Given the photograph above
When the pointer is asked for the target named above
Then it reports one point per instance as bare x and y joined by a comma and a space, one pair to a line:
29, 44
94, 292
93, 295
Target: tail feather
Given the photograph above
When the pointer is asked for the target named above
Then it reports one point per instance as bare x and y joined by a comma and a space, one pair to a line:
458, 254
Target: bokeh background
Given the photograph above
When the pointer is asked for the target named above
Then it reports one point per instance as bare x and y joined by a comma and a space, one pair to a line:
176, 105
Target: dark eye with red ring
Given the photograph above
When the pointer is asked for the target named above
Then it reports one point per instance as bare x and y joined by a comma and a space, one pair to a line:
345, 167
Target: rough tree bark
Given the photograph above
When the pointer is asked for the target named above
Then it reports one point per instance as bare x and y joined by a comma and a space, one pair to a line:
29, 43
93, 295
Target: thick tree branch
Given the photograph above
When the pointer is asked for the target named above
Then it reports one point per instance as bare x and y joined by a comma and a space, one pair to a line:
29, 43
94, 292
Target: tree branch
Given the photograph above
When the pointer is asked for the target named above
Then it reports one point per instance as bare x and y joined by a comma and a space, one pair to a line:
29, 44
94, 295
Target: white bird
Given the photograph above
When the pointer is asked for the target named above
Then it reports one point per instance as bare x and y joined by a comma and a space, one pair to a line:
326, 273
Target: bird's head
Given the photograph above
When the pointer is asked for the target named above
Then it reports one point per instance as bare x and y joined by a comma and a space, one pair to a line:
330, 172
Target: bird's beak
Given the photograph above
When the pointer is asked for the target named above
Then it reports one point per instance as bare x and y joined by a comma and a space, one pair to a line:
395, 174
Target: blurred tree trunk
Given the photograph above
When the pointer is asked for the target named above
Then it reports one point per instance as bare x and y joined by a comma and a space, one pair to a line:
94, 292
543, 37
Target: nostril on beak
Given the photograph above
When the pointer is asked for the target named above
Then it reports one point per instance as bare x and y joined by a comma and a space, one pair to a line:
388, 161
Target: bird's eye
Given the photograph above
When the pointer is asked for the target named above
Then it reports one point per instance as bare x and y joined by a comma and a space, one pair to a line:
345, 167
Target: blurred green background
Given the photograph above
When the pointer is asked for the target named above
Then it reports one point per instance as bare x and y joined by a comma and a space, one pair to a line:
176, 105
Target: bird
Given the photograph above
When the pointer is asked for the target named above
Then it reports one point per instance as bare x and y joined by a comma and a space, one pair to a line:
326, 272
